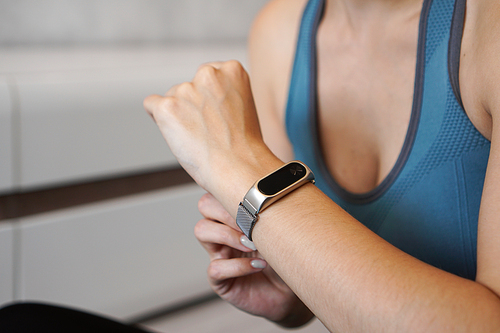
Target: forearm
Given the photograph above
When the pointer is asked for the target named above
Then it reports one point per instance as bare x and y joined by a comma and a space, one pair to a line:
349, 277
355, 281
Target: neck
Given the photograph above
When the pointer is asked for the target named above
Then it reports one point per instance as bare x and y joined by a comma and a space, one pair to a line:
369, 5
361, 13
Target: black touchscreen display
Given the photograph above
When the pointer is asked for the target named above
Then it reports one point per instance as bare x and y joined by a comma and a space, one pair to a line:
282, 178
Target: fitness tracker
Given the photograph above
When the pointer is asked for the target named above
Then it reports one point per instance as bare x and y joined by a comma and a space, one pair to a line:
269, 189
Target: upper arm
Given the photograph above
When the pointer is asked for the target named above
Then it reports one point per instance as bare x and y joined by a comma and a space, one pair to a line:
271, 52
488, 251
482, 93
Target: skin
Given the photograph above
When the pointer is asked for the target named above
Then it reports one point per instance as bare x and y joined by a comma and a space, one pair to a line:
361, 283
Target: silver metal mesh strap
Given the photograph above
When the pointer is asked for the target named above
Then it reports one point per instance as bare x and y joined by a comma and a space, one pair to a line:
245, 220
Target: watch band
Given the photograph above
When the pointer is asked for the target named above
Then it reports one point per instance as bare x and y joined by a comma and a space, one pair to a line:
245, 220
268, 190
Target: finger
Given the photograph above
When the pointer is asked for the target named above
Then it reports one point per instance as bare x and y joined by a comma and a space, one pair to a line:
152, 103
214, 64
212, 209
223, 65
183, 90
224, 269
212, 234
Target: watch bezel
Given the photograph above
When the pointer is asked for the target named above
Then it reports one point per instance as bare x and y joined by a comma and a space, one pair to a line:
255, 201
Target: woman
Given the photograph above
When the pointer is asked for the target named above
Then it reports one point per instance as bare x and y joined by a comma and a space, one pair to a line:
394, 110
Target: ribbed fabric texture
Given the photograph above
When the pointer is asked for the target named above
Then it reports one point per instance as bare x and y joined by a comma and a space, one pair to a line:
429, 204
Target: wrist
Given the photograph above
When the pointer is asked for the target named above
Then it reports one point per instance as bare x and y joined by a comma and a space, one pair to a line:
236, 176
269, 189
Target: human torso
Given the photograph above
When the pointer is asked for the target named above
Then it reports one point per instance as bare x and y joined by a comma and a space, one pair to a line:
365, 92
363, 111
365, 95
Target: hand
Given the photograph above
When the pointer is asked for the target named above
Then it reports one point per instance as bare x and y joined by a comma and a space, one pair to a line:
239, 274
212, 128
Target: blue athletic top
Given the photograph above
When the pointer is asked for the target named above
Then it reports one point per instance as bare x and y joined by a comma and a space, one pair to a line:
428, 205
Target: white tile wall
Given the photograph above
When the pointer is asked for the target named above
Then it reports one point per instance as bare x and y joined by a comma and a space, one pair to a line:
6, 179
6, 263
122, 258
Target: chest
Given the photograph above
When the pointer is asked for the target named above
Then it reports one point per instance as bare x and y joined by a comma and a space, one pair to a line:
365, 97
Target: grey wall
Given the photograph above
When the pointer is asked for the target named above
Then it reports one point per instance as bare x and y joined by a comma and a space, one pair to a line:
46, 81
129, 21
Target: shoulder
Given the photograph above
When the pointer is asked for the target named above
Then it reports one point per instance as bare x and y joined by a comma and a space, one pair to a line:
480, 63
277, 22
480, 87
271, 53
272, 40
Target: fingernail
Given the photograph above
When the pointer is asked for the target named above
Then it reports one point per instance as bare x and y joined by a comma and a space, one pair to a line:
258, 264
247, 243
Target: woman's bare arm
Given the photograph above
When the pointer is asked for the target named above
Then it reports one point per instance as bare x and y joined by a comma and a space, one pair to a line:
271, 52
349, 277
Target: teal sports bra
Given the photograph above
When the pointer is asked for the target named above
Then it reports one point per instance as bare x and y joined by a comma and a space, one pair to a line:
428, 205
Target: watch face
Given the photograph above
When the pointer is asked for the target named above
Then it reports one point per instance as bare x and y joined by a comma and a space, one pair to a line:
282, 178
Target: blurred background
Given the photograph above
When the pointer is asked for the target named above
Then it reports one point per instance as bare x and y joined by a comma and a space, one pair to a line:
125, 21
95, 212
